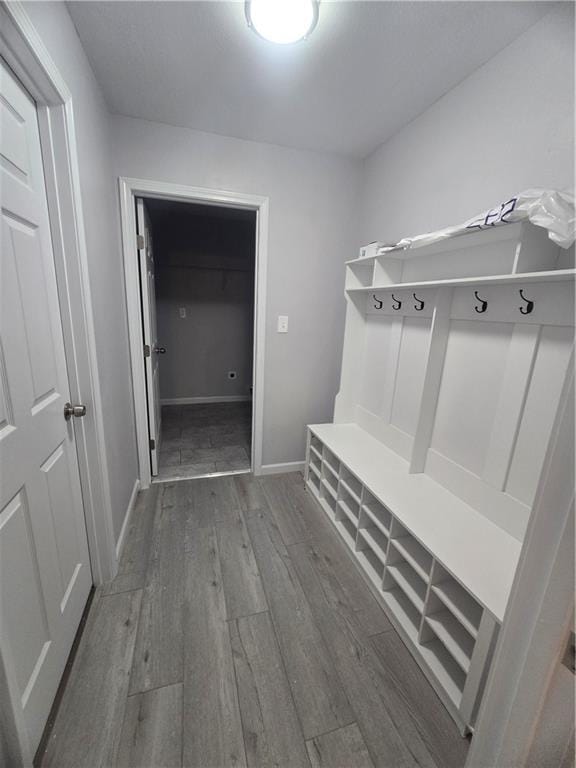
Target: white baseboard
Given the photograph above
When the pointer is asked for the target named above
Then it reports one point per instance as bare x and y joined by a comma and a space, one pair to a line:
199, 400
127, 516
278, 469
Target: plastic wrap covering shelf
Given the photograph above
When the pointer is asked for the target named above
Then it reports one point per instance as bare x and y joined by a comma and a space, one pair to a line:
545, 208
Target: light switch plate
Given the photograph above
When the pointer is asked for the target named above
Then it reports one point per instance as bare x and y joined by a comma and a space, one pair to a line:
182, 312
282, 323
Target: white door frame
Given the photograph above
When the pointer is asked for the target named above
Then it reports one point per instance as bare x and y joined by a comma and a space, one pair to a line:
25, 53
133, 188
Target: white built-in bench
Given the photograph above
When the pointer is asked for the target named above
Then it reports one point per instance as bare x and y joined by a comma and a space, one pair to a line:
455, 362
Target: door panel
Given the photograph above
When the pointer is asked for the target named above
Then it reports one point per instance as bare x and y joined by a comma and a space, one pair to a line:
25, 607
45, 574
151, 362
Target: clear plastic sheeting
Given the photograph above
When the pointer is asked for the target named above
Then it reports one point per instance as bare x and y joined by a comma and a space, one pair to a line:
545, 208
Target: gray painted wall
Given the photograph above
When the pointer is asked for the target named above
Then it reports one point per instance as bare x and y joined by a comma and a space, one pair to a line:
313, 214
100, 207
507, 127
204, 263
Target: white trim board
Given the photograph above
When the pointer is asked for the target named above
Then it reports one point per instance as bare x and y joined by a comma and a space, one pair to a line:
279, 469
129, 190
200, 400
25, 53
127, 518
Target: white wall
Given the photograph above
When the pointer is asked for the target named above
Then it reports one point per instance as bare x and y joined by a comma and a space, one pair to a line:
312, 218
100, 203
507, 127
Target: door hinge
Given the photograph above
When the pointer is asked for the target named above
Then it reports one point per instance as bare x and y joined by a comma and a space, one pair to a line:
152, 445
140, 241
146, 350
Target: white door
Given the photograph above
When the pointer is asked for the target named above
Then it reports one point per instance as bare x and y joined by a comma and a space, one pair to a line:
45, 573
151, 349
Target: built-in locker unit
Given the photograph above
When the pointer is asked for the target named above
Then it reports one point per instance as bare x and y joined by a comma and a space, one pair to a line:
455, 364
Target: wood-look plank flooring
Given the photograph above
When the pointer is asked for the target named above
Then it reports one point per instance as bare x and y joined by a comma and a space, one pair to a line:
240, 633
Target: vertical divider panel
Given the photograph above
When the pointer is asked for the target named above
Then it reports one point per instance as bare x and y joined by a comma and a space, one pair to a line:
360, 544
392, 366
432, 378
375, 272
422, 633
389, 547
392, 555
387, 270
519, 365
479, 666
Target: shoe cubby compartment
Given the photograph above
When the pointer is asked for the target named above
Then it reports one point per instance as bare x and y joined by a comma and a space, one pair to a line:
377, 512
314, 482
329, 480
371, 562
451, 595
315, 462
328, 498
453, 617
399, 572
371, 536
406, 618
330, 462
316, 445
457, 640
348, 504
411, 551
351, 483
316, 454
444, 668
347, 531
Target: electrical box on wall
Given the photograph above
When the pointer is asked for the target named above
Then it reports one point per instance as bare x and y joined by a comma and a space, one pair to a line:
182, 312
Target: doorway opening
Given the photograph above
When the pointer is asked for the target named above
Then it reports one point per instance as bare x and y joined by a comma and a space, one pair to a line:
197, 283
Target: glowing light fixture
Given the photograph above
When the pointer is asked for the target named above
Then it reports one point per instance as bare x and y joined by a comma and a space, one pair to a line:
282, 21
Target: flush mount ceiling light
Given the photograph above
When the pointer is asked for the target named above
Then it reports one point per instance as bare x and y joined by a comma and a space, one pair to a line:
282, 21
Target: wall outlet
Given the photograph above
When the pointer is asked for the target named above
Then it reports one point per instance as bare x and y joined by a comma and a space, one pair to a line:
282, 323
231, 374
182, 312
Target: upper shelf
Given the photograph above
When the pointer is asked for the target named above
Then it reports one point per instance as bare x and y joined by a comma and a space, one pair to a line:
471, 239
525, 277
507, 253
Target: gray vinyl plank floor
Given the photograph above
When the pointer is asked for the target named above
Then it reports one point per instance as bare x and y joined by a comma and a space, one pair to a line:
202, 439
239, 632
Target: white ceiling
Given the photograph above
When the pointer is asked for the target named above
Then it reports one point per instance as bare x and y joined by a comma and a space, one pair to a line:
367, 70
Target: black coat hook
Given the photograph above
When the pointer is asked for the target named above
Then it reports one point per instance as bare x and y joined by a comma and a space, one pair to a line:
529, 304
377, 302
418, 302
398, 303
483, 304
